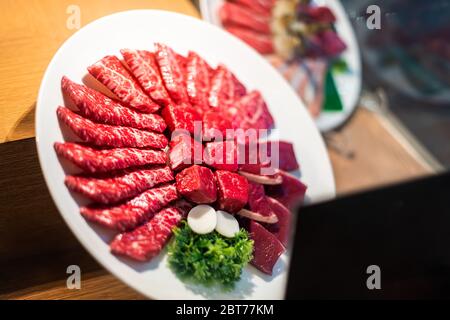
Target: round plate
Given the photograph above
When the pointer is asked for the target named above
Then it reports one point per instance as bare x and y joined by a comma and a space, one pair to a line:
348, 83
140, 29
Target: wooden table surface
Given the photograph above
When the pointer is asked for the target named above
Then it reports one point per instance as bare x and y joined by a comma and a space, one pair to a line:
35, 245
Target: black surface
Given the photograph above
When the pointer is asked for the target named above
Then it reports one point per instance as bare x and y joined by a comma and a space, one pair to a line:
404, 229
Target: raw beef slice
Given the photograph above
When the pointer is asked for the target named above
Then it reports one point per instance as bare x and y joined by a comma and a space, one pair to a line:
266, 249
119, 187
116, 78
181, 117
260, 42
232, 190
197, 184
171, 72
94, 160
99, 108
221, 155
144, 67
233, 14
110, 136
147, 241
198, 82
281, 229
132, 213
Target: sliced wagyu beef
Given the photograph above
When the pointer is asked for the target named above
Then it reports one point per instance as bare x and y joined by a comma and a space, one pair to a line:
132, 213
252, 112
113, 75
281, 229
290, 193
266, 248
259, 208
94, 160
260, 42
110, 136
181, 117
233, 14
198, 82
197, 184
143, 65
221, 155
147, 241
100, 108
112, 189
172, 72
184, 151
232, 191
225, 88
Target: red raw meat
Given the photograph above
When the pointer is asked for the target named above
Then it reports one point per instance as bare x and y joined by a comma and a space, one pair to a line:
233, 191
221, 155
215, 122
239, 89
181, 117
182, 62
198, 82
171, 72
266, 248
258, 6
144, 67
94, 160
197, 184
251, 112
147, 241
234, 14
281, 229
286, 155
99, 108
110, 136
184, 152
225, 88
274, 179
112, 189
134, 212
260, 42
258, 202
111, 72
290, 193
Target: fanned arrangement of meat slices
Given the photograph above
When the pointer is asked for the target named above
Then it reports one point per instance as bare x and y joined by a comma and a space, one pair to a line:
143, 179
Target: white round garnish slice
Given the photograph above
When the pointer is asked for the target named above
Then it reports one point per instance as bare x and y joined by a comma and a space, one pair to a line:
202, 219
227, 225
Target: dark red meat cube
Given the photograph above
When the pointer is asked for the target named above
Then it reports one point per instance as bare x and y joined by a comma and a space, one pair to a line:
110, 136
290, 193
147, 241
116, 78
144, 67
94, 160
132, 213
184, 152
99, 108
181, 117
214, 123
233, 191
221, 155
266, 249
260, 42
198, 82
112, 189
281, 229
197, 184
172, 72
233, 14
283, 153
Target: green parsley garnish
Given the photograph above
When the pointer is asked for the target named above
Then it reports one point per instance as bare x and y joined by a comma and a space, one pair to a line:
210, 258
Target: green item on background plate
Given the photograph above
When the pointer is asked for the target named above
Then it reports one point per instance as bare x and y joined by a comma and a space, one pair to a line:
332, 102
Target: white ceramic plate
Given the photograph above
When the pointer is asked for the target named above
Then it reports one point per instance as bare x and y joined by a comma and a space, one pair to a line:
348, 84
140, 29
